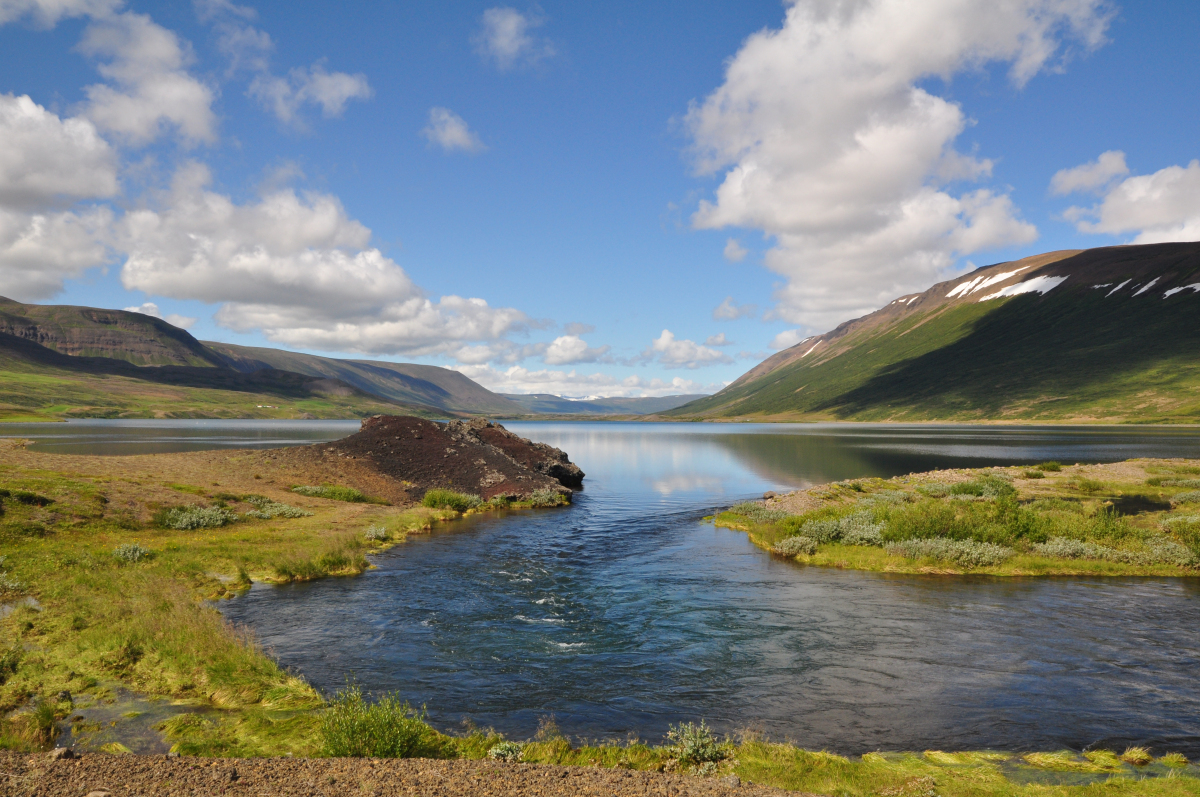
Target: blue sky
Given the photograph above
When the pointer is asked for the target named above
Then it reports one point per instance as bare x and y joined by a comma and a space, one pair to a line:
617, 198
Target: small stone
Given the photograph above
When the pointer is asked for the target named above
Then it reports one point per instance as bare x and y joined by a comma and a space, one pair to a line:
61, 754
65, 697
769, 494
99, 793
732, 781
172, 754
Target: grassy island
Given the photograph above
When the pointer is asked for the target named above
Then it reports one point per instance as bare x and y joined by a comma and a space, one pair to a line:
1134, 518
111, 566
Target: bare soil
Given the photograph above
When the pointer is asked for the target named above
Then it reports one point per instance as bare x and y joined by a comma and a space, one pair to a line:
116, 776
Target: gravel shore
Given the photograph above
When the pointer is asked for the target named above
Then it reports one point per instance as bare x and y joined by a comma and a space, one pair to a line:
100, 775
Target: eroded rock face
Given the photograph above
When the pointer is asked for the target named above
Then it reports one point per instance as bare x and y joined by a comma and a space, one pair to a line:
476, 457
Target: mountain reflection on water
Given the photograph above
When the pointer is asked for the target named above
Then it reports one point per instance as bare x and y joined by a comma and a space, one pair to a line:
626, 612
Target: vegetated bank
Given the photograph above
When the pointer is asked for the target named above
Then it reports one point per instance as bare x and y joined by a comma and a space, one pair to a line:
1139, 517
1105, 335
111, 562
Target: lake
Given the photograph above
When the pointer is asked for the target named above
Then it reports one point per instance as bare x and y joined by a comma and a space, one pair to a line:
627, 612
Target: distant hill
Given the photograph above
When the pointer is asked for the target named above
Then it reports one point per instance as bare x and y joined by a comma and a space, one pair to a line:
90, 332
38, 383
406, 382
547, 404
1108, 334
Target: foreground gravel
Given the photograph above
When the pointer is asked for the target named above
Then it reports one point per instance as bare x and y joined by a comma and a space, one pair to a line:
101, 775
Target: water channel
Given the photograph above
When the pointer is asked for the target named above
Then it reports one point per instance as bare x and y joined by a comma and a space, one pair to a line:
627, 612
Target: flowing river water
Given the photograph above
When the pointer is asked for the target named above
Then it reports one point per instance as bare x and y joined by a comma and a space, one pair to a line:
627, 612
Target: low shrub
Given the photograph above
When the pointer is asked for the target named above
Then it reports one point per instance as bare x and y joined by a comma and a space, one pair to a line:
987, 486
934, 489
1158, 550
885, 497
1138, 756
545, 497
376, 533
758, 512
859, 528
1191, 484
438, 498
189, 518
1051, 466
333, 492
1192, 497
388, 728
794, 546
505, 751
26, 497
1087, 485
696, 744
266, 509
968, 553
131, 552
1034, 474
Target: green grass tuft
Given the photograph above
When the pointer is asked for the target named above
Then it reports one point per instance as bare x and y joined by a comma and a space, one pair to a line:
438, 498
388, 728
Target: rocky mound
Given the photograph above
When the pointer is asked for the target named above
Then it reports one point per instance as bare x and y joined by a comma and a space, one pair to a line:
476, 457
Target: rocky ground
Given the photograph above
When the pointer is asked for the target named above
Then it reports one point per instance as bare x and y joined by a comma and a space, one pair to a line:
98, 775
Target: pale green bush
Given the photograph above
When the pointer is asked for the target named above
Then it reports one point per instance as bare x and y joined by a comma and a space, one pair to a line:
794, 546
758, 512
189, 518
131, 553
968, 553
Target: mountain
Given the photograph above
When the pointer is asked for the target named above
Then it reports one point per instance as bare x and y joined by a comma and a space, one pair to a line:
38, 383
90, 332
1108, 334
407, 382
547, 404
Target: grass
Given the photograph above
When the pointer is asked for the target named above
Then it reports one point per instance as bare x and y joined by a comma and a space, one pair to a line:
387, 728
1087, 520
438, 498
334, 492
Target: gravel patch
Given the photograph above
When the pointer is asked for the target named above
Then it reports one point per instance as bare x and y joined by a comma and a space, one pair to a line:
98, 775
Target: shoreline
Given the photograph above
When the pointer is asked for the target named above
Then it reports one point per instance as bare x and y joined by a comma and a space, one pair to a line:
1105, 520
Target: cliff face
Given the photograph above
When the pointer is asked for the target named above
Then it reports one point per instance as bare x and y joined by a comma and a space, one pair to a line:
90, 332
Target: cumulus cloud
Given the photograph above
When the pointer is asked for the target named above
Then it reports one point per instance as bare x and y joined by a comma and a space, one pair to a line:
48, 13
828, 142
1159, 207
1090, 176
46, 159
296, 267
672, 353
517, 379
505, 38
47, 162
150, 89
729, 310
174, 319
450, 132
718, 340
734, 251
312, 86
571, 349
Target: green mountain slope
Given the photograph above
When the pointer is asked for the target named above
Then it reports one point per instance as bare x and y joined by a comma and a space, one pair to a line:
1128, 351
91, 332
37, 383
407, 382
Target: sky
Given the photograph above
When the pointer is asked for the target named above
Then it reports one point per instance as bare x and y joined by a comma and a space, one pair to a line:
584, 199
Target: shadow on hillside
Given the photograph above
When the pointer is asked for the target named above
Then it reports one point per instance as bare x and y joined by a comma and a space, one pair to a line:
1076, 348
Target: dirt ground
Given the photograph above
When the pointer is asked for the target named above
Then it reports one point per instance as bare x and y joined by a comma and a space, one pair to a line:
116, 776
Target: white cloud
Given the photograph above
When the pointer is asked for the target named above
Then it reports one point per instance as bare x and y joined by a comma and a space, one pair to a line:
45, 162
787, 339
450, 132
1089, 176
296, 267
313, 86
505, 38
571, 349
150, 87
828, 143
672, 353
718, 340
729, 310
734, 251
572, 383
38, 251
48, 13
45, 158
151, 309
1159, 207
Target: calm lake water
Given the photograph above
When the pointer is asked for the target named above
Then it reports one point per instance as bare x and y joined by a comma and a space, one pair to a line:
626, 612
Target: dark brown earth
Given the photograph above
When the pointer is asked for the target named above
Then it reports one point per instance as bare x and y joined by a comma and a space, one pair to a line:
400, 457
99, 774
